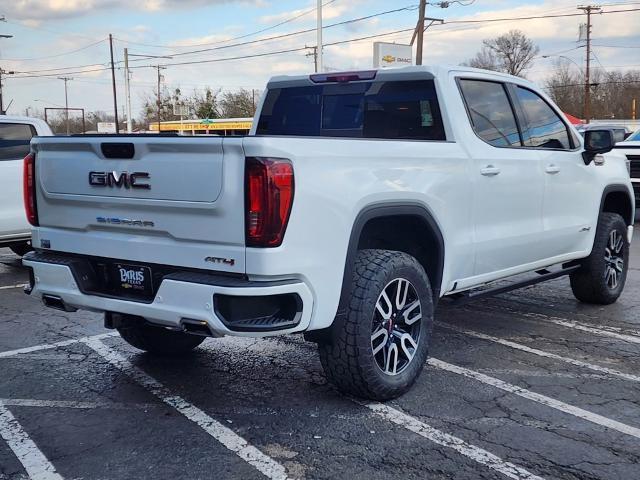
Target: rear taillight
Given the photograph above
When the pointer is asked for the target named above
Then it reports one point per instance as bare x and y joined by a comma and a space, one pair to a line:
29, 189
269, 191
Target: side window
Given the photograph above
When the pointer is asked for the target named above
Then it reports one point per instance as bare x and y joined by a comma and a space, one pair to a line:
491, 114
546, 129
14, 140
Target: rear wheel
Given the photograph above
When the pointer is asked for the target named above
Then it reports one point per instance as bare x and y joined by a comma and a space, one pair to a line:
378, 349
603, 274
21, 249
158, 340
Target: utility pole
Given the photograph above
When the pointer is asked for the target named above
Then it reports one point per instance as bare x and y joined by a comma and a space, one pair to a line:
588, 9
66, 101
2, 112
314, 54
319, 61
127, 88
159, 67
113, 84
421, 27
420, 31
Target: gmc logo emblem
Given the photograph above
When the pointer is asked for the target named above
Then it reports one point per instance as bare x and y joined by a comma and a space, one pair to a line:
119, 180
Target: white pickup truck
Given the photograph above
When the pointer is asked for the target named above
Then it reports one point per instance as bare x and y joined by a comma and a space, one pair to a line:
15, 135
630, 148
358, 201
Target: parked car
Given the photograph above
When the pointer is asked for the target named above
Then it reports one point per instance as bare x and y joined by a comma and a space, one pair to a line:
15, 135
620, 132
359, 200
630, 148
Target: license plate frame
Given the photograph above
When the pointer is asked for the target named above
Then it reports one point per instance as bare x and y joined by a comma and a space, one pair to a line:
132, 280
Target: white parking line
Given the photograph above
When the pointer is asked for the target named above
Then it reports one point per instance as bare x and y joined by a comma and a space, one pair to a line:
476, 454
27, 452
537, 397
9, 287
49, 346
227, 437
541, 353
29, 402
611, 332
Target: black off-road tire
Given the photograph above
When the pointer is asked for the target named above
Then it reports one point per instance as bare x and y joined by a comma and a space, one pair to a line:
347, 353
158, 340
21, 249
589, 283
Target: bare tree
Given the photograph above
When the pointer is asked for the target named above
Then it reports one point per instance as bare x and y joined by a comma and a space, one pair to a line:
511, 53
612, 92
484, 59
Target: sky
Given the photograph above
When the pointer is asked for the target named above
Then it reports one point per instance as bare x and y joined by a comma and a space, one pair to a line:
68, 38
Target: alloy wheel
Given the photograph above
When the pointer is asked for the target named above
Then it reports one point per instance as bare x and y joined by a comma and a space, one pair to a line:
396, 326
614, 259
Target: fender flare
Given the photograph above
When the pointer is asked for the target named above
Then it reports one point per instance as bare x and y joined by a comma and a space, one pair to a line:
389, 209
622, 189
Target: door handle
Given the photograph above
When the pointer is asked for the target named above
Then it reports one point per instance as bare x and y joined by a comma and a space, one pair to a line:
552, 169
490, 171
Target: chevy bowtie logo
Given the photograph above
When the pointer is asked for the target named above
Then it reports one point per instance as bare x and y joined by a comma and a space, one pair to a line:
119, 180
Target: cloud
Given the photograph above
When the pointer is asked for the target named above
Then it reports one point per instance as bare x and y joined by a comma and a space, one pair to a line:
328, 13
33, 10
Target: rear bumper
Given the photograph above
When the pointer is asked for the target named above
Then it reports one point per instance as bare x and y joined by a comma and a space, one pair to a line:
15, 239
228, 306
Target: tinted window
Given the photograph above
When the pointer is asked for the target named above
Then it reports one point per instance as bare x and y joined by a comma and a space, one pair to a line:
635, 137
392, 110
14, 140
546, 129
491, 114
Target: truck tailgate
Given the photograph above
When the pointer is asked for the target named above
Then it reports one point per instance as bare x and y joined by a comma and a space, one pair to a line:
171, 200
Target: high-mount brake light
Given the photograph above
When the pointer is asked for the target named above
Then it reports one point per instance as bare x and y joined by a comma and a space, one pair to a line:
269, 188
29, 189
343, 77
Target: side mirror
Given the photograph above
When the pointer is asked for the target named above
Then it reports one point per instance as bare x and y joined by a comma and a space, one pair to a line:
597, 142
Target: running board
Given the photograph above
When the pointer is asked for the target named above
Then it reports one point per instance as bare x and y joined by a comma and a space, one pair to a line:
543, 276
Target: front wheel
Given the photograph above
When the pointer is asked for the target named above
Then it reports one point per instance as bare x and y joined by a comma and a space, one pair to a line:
158, 340
602, 276
378, 349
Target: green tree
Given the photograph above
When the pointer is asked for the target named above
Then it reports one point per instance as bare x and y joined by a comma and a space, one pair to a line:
205, 104
239, 104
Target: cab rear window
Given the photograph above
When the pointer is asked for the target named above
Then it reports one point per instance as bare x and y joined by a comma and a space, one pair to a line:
14, 140
386, 110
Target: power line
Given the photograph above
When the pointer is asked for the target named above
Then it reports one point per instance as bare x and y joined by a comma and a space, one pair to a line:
613, 82
33, 74
289, 20
536, 17
299, 32
54, 56
60, 68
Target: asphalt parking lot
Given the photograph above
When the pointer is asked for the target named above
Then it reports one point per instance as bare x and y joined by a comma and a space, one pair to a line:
529, 385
